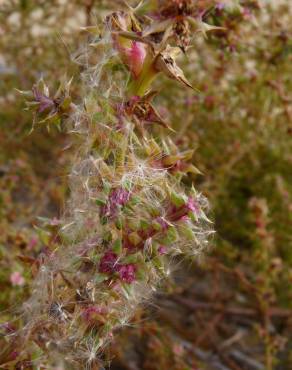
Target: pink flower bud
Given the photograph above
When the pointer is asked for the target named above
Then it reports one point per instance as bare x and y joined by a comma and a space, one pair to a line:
133, 55
17, 279
137, 54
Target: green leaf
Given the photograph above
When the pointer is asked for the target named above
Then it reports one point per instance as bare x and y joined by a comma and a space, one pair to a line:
177, 199
128, 290
144, 225
117, 246
158, 263
132, 258
106, 186
99, 278
119, 224
157, 226
187, 232
103, 220
97, 117
135, 200
171, 236
100, 202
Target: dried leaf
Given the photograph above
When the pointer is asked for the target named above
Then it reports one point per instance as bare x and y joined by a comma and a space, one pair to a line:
165, 63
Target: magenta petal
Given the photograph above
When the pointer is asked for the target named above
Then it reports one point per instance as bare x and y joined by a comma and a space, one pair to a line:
192, 205
137, 56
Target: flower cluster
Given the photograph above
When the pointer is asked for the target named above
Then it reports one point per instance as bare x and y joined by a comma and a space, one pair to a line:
109, 264
128, 213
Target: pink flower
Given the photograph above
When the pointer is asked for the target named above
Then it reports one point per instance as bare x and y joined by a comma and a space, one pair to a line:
127, 272
17, 279
90, 314
55, 222
247, 13
32, 243
20, 163
14, 355
191, 100
45, 103
163, 223
178, 349
192, 205
14, 178
109, 265
7, 327
117, 198
220, 6
162, 249
209, 101
181, 213
108, 262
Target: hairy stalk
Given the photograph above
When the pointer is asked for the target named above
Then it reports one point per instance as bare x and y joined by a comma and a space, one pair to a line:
128, 214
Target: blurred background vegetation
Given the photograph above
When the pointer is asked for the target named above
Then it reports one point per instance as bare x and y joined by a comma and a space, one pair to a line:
232, 310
